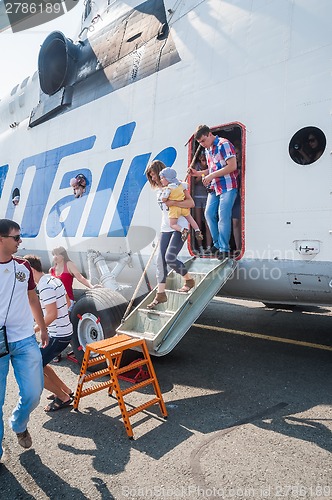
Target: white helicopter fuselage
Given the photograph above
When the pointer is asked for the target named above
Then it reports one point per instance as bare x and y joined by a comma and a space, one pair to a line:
257, 69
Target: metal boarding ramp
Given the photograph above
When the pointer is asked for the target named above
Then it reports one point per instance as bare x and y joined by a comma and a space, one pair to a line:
163, 327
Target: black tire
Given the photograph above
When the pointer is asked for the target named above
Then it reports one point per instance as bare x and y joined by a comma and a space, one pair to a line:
95, 316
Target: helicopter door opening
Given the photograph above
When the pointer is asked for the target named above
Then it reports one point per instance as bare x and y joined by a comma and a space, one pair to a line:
235, 133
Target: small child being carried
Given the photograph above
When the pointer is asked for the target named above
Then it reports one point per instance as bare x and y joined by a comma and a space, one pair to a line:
173, 191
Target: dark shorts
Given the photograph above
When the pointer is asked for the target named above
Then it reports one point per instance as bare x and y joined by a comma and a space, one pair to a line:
200, 202
236, 212
55, 347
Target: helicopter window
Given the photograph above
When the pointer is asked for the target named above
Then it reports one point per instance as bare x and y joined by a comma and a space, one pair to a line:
134, 37
24, 83
307, 145
16, 196
78, 184
87, 8
14, 89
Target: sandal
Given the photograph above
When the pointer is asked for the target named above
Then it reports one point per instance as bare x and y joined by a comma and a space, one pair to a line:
184, 234
198, 235
160, 298
52, 397
188, 285
58, 404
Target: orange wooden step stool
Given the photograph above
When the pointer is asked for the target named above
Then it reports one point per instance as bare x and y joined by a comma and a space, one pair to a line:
110, 351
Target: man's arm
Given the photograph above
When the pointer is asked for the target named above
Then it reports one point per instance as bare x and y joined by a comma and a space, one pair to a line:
230, 167
50, 313
198, 173
38, 316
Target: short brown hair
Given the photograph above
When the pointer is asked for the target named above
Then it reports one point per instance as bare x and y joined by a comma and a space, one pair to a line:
201, 130
34, 262
6, 225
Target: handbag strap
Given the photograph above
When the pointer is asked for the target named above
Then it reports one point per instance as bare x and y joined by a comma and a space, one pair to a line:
11, 297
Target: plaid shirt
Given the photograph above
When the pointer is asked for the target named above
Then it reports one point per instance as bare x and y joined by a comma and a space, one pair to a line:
217, 155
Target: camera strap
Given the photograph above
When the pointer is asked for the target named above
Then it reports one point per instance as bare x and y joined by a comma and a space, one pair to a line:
11, 297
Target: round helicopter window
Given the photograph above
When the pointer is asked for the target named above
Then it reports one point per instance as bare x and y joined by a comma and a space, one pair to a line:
307, 145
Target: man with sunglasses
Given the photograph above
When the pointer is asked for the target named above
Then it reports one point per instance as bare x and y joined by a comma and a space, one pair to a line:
19, 306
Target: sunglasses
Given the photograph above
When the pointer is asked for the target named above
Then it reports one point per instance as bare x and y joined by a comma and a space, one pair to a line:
312, 139
17, 237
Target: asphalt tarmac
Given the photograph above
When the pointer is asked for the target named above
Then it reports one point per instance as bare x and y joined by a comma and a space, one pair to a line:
248, 392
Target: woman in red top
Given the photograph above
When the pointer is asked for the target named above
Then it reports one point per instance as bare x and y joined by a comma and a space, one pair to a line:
66, 270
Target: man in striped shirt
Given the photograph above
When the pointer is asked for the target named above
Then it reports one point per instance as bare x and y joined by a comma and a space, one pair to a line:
221, 177
54, 302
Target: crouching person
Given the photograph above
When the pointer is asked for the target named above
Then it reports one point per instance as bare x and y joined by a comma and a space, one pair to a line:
54, 302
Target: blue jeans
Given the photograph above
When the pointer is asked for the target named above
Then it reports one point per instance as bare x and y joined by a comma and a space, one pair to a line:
170, 245
28, 370
218, 214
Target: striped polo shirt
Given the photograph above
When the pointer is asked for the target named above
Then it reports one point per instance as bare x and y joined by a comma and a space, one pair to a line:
217, 155
51, 290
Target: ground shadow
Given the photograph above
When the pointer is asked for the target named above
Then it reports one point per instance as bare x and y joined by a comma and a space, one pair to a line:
10, 486
233, 378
